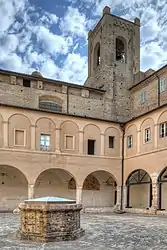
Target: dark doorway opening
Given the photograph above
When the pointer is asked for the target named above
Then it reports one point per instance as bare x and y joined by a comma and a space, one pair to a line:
91, 147
26, 83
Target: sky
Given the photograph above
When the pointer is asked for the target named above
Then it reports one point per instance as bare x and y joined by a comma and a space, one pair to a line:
51, 35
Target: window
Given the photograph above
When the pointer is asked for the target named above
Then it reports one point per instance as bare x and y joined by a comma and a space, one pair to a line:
69, 142
120, 50
162, 85
147, 135
143, 97
45, 142
97, 55
163, 129
91, 147
26, 83
19, 137
51, 106
111, 141
129, 141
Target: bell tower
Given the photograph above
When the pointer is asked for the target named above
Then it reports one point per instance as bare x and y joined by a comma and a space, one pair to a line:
113, 59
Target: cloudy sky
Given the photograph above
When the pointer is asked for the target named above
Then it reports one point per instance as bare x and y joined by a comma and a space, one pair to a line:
51, 35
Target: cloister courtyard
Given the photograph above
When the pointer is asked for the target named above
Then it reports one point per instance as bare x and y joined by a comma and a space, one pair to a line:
102, 232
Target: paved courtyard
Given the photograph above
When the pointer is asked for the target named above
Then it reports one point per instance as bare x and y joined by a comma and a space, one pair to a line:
102, 232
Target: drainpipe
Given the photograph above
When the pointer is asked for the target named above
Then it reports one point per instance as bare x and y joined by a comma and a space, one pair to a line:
67, 99
158, 90
122, 167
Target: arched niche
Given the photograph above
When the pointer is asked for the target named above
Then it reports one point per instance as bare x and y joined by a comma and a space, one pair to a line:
19, 131
54, 182
45, 128
121, 50
92, 140
13, 187
162, 121
99, 190
96, 55
112, 142
50, 103
69, 137
147, 124
139, 189
131, 131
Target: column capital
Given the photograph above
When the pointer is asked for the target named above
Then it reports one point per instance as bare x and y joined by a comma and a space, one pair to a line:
81, 131
5, 122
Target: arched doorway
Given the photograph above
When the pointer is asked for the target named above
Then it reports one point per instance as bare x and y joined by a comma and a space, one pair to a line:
162, 181
13, 187
99, 190
54, 182
139, 189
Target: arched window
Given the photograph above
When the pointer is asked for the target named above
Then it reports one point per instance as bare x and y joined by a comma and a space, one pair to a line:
50, 106
97, 55
120, 50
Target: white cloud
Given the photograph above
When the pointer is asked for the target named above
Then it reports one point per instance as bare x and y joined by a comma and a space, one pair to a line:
53, 43
74, 68
74, 23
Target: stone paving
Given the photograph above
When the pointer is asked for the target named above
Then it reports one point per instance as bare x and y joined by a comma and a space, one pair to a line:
102, 232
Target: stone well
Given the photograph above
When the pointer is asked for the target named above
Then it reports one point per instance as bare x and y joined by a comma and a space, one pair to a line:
50, 219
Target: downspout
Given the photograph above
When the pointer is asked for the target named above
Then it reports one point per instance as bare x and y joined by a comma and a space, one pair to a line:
122, 167
159, 101
67, 99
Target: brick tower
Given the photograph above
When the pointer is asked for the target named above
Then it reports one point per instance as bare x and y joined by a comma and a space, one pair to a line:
113, 59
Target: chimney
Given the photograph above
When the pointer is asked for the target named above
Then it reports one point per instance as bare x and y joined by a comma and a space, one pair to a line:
106, 10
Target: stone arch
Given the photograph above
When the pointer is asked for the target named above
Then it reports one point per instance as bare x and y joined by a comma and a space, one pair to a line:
121, 49
13, 187
92, 133
139, 189
99, 189
51, 103
69, 137
19, 131
54, 182
112, 136
45, 127
96, 55
162, 117
162, 187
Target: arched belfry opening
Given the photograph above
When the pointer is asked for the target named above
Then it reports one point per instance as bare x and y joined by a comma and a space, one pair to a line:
162, 181
97, 55
120, 50
139, 190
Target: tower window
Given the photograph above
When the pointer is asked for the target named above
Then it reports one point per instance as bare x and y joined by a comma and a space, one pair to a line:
26, 83
91, 147
120, 50
97, 55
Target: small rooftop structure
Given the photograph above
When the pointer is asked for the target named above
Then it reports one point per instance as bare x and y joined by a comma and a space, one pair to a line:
37, 73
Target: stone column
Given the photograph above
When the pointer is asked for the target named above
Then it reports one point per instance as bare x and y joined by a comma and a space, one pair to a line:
30, 191
156, 136
5, 134
81, 142
138, 141
118, 204
33, 137
102, 144
58, 140
125, 197
79, 195
155, 197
